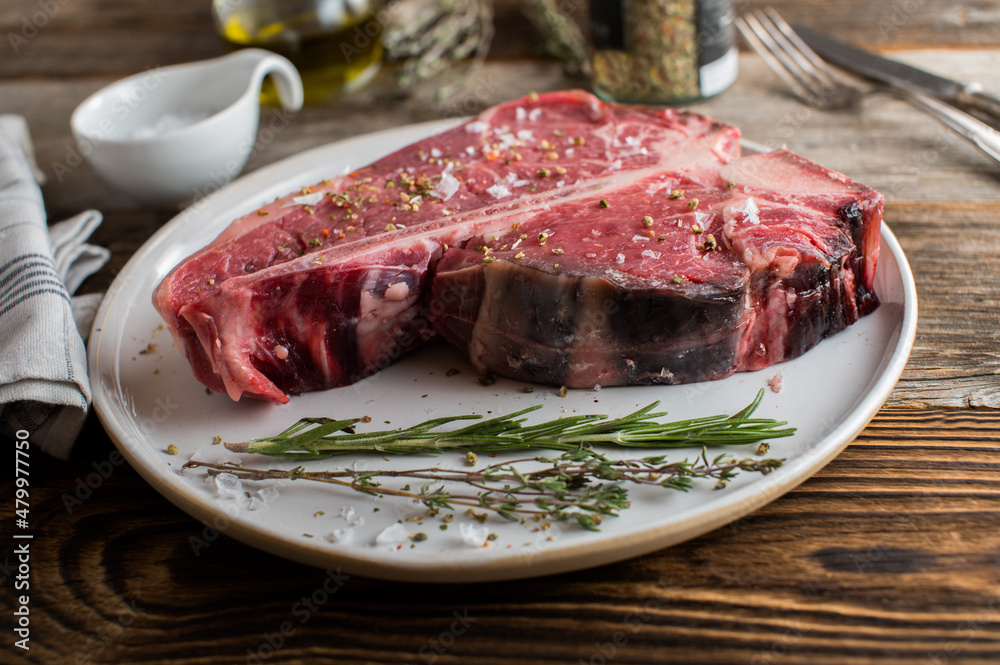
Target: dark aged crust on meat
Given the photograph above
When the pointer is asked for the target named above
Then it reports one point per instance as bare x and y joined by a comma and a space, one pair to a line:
311, 294
613, 300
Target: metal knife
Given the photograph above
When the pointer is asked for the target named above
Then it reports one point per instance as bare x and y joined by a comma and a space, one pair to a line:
898, 74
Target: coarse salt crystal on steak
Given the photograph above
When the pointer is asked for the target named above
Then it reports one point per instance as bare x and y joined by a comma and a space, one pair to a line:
498, 191
447, 187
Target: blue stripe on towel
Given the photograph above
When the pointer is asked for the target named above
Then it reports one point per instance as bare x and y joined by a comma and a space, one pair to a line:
53, 282
27, 296
16, 278
32, 255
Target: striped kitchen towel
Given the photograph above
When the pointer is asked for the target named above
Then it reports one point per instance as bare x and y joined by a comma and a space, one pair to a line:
43, 365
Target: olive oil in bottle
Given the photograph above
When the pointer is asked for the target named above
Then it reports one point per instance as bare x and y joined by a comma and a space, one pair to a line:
335, 44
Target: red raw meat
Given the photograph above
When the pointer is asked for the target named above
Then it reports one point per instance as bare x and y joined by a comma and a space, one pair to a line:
333, 283
671, 282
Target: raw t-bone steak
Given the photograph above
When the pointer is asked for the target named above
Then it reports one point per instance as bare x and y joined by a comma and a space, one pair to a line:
556, 239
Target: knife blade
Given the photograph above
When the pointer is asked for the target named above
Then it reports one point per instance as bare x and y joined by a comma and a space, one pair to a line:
899, 74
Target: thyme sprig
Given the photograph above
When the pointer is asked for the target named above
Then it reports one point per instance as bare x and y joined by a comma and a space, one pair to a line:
562, 490
319, 438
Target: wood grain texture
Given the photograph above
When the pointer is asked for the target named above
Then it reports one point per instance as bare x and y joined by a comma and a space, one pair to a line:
889, 555
118, 37
951, 250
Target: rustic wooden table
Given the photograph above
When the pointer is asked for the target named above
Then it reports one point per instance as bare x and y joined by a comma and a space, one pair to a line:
891, 554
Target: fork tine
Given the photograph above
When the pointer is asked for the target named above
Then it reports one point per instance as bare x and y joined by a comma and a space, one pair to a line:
764, 45
818, 81
820, 66
809, 77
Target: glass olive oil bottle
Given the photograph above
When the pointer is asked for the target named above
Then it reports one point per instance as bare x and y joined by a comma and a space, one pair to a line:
335, 44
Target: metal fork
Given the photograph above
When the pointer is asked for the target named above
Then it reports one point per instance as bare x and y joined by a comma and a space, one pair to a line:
821, 86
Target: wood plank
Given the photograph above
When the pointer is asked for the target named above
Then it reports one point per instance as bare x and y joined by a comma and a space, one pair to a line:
117, 37
952, 252
112, 38
887, 556
899, 24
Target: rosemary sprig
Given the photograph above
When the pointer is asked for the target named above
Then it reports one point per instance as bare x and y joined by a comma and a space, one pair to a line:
319, 438
563, 490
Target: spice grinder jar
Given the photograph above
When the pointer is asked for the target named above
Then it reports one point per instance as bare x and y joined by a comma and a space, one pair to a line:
661, 51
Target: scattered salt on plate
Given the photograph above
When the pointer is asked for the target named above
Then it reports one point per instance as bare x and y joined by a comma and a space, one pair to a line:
472, 534
229, 486
395, 533
345, 535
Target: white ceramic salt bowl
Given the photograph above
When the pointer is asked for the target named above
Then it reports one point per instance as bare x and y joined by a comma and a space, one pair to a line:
174, 134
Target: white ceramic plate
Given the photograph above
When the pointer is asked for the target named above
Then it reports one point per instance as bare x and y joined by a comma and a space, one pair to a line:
148, 401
